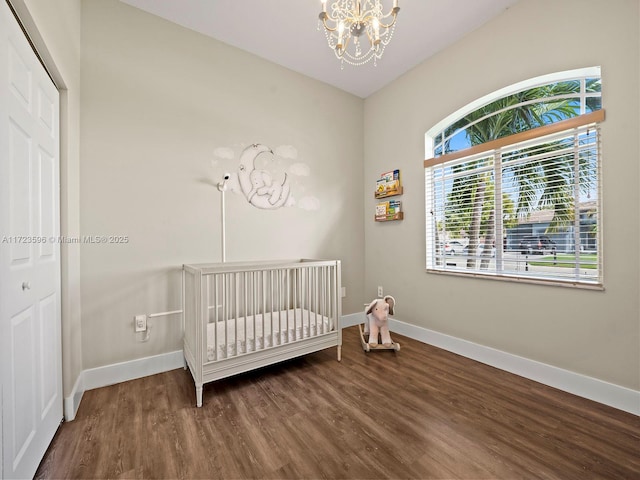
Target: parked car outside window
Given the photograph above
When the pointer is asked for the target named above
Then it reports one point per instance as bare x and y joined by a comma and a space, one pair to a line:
453, 247
537, 245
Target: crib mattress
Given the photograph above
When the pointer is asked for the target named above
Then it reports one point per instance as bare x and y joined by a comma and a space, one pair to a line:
271, 329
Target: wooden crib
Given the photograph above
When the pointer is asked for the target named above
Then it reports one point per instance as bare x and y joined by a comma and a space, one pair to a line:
242, 316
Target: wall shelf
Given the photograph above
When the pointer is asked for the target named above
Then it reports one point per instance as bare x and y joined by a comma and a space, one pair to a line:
394, 193
390, 218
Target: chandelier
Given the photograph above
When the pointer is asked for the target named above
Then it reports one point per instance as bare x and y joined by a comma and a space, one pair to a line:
358, 30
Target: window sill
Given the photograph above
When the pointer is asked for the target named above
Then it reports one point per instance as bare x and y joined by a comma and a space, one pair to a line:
520, 279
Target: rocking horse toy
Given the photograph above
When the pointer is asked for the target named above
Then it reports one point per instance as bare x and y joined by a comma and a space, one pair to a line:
377, 322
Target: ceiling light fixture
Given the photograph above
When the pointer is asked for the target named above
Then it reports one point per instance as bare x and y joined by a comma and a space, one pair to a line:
348, 20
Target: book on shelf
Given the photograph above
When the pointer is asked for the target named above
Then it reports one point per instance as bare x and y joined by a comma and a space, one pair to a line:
388, 210
388, 183
395, 206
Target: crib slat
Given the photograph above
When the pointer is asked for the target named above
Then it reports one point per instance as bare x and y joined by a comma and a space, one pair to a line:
315, 300
310, 298
254, 307
300, 273
323, 285
283, 333
244, 310
303, 291
327, 297
288, 304
327, 302
263, 277
234, 346
295, 302
270, 301
308, 306
276, 289
216, 317
272, 296
225, 313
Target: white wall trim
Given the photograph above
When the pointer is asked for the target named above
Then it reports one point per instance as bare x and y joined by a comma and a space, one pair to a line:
72, 402
125, 371
591, 388
353, 319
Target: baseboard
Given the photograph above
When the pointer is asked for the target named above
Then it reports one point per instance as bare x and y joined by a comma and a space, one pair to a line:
125, 371
591, 388
352, 319
72, 402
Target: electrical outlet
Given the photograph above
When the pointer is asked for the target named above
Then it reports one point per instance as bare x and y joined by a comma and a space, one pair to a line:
140, 323
380, 291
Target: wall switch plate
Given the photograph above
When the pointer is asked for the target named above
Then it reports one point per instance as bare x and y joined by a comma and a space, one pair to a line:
344, 292
140, 323
380, 291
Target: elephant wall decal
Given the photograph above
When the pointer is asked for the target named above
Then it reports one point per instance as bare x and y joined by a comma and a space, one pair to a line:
257, 185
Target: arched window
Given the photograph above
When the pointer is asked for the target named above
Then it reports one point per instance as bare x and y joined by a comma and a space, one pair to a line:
512, 183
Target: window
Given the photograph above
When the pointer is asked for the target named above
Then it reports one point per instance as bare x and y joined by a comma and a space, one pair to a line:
513, 186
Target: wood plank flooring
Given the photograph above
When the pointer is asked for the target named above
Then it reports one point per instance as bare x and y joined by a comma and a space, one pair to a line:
421, 413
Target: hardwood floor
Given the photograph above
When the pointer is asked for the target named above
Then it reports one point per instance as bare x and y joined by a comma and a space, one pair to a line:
421, 413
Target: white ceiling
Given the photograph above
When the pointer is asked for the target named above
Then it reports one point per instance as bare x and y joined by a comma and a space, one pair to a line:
285, 32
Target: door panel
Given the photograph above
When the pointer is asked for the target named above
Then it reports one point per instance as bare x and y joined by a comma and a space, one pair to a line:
19, 76
48, 379
47, 187
46, 112
23, 374
20, 207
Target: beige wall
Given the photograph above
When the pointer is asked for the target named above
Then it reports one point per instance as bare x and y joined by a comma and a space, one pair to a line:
158, 101
54, 28
591, 333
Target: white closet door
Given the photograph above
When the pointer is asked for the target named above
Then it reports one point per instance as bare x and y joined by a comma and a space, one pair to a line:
30, 318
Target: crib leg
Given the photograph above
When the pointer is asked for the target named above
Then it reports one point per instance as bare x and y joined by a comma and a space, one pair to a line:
339, 353
184, 359
198, 395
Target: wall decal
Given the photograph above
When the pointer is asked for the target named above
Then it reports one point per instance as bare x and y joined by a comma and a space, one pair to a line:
266, 178
257, 185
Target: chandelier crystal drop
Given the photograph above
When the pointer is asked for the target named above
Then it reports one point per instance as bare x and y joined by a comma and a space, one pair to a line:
358, 30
